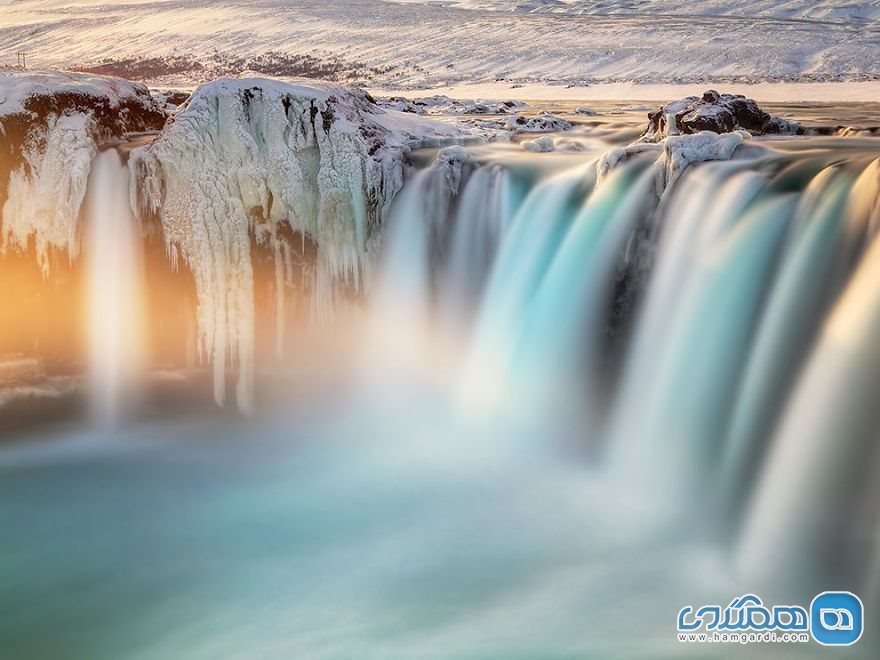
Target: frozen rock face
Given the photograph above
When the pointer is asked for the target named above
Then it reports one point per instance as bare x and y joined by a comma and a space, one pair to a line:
240, 158
674, 154
719, 113
52, 124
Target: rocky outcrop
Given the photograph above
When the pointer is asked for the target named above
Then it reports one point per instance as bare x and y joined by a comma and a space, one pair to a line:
29, 98
52, 124
719, 113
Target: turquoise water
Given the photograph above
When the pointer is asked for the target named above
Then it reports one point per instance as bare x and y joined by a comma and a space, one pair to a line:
480, 479
364, 538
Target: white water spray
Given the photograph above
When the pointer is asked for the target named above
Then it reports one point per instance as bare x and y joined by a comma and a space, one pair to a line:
114, 285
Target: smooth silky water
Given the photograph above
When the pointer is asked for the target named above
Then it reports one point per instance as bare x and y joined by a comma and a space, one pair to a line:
568, 408
114, 253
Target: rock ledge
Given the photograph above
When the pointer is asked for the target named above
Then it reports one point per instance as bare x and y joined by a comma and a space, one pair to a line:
719, 113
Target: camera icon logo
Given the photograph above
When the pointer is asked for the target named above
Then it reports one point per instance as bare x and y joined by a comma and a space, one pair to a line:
836, 618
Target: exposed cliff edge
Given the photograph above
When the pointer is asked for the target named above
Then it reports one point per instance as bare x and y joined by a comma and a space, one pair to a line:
51, 126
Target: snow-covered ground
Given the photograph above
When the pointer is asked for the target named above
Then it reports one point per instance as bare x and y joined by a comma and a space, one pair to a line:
787, 9
864, 91
422, 45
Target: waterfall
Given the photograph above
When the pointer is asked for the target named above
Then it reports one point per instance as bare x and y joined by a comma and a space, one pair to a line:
583, 380
113, 251
742, 382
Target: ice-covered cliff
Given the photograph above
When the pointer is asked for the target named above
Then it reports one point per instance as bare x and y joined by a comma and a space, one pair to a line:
51, 125
242, 158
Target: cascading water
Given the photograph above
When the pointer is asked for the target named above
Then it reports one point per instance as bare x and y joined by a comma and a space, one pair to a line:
745, 324
621, 392
113, 249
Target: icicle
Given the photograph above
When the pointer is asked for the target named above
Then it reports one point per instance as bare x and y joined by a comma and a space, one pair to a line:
256, 150
46, 193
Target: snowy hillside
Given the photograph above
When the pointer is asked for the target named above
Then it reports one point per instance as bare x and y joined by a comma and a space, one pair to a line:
780, 9
426, 44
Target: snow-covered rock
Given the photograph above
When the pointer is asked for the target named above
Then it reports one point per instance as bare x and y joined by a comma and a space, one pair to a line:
443, 105
719, 113
681, 151
401, 104
453, 162
586, 111
547, 143
468, 107
51, 125
675, 154
543, 122
170, 99
570, 144
543, 144
242, 156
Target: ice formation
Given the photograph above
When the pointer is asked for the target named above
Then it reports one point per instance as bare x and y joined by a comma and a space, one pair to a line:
674, 154
243, 156
682, 150
52, 124
45, 193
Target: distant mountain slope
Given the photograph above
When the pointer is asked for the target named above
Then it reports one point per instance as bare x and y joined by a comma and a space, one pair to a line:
427, 43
